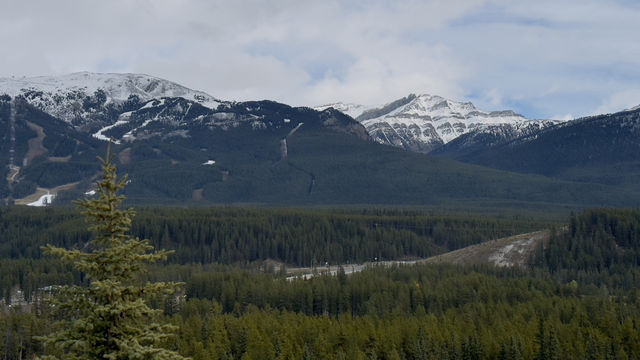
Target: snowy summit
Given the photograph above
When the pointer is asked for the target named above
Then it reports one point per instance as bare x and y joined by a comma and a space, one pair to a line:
56, 94
425, 122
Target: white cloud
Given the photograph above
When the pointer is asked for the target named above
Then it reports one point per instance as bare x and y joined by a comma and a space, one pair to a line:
539, 58
565, 117
621, 100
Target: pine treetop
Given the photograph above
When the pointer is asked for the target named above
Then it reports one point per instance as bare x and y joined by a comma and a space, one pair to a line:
109, 318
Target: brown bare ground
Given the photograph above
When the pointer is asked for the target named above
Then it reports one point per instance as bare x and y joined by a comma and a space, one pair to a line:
197, 194
59, 159
125, 156
514, 250
35, 145
43, 191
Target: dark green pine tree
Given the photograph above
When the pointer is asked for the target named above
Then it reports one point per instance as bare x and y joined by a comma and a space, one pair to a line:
109, 318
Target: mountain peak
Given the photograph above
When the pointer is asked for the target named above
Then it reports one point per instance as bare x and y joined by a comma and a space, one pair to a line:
435, 102
118, 86
56, 94
353, 110
424, 122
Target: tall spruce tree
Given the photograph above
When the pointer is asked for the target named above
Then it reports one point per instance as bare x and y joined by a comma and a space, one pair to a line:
109, 317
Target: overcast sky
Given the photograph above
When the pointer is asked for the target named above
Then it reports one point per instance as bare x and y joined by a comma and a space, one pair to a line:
543, 58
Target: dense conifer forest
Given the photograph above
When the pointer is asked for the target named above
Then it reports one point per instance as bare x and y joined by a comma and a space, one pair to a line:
578, 300
244, 236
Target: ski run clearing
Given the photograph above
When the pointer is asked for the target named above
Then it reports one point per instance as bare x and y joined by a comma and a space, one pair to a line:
515, 250
510, 251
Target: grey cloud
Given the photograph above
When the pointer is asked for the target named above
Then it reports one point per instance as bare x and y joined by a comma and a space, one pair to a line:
500, 53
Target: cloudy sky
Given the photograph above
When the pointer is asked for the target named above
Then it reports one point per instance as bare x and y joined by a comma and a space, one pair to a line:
543, 58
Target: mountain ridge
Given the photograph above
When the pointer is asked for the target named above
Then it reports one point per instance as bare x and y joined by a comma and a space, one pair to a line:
602, 148
101, 102
423, 123
178, 151
63, 95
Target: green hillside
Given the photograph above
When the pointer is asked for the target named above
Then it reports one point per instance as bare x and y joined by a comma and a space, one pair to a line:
329, 160
600, 149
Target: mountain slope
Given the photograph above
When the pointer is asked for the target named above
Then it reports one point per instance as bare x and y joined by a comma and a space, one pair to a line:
519, 250
353, 110
488, 136
603, 149
313, 158
423, 123
177, 150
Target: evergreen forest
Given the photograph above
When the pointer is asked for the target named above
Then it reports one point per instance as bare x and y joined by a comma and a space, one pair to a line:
578, 299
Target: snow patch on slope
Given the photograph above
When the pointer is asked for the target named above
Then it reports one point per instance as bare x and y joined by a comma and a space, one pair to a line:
513, 254
517, 250
44, 200
123, 119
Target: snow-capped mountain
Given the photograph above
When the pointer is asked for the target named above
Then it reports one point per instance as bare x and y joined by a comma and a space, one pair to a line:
353, 110
425, 122
599, 148
130, 107
103, 103
172, 147
488, 136
183, 146
85, 95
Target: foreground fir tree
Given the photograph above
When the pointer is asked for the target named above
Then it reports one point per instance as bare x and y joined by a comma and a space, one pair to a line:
109, 318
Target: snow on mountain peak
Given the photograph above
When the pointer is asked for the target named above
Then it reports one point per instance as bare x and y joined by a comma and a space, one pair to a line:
54, 94
424, 122
116, 86
350, 109
429, 105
